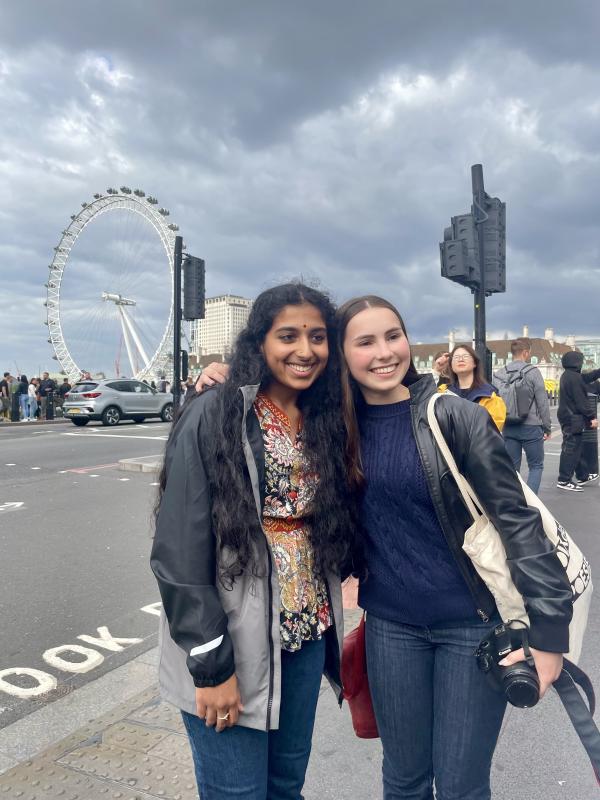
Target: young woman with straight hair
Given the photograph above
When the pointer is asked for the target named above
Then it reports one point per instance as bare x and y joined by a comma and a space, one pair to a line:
467, 380
427, 609
253, 525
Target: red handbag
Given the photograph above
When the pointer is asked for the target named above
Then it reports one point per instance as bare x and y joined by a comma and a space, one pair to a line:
356, 683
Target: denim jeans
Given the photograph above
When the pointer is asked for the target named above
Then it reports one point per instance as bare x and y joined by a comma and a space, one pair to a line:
438, 717
256, 765
24, 402
531, 439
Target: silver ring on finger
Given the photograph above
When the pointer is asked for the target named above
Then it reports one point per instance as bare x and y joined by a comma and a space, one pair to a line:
223, 718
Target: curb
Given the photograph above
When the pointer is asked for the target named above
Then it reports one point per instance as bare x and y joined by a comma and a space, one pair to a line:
141, 464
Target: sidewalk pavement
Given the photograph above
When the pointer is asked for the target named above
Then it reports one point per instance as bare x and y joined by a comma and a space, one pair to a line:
114, 739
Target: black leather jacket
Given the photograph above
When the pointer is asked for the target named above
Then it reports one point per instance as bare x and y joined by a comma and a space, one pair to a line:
481, 457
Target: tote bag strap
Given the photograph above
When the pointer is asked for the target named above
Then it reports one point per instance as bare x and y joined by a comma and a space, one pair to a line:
468, 495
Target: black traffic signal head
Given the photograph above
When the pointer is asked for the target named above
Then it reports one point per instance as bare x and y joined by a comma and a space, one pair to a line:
193, 287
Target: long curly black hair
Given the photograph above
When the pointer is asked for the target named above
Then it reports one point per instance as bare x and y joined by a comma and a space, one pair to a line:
332, 514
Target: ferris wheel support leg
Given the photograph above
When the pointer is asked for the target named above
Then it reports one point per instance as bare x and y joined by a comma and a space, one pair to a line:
136, 338
127, 340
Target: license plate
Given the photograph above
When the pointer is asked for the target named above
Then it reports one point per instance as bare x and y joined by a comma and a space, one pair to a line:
74, 411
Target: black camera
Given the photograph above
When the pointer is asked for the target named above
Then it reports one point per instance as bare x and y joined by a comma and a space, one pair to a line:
519, 682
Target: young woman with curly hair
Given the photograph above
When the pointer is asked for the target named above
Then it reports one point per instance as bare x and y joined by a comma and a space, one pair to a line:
253, 525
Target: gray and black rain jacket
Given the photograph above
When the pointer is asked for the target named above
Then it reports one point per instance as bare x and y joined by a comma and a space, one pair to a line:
209, 632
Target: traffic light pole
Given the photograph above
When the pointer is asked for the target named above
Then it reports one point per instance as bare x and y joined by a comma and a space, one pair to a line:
176, 383
479, 216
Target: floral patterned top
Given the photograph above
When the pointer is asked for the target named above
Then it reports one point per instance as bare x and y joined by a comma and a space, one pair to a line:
289, 490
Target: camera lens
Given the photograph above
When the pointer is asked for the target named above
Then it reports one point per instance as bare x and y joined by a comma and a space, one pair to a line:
522, 689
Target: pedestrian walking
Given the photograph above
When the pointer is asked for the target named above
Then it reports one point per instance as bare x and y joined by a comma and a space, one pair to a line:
437, 715
575, 415
14, 389
62, 392
46, 392
253, 525
33, 403
467, 381
529, 430
24, 398
4, 398
587, 469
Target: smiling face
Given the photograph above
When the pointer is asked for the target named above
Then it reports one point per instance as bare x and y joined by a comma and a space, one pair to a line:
462, 362
296, 348
377, 353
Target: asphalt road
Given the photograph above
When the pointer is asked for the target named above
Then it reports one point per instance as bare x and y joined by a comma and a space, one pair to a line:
74, 555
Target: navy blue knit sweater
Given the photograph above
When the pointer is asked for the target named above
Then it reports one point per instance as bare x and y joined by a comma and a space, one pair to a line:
412, 575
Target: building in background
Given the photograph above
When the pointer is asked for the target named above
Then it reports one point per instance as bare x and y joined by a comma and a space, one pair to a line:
225, 316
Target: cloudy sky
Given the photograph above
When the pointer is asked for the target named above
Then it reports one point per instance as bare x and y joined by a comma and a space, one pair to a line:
329, 140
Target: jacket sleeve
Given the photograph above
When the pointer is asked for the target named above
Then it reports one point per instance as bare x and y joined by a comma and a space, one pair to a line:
534, 566
184, 562
541, 399
591, 376
496, 408
580, 401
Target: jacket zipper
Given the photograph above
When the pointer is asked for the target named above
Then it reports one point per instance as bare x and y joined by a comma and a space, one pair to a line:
271, 646
451, 545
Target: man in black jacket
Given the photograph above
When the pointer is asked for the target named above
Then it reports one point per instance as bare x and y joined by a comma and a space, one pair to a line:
575, 415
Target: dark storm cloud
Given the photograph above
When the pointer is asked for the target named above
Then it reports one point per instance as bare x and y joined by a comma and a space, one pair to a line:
330, 140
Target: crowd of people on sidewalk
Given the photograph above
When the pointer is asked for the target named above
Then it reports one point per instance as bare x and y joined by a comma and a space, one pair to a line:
25, 399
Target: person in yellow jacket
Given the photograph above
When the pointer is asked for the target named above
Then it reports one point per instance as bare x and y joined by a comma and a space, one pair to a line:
467, 381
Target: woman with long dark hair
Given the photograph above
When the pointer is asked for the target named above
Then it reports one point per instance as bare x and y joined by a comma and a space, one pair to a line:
253, 525
467, 380
427, 609
24, 398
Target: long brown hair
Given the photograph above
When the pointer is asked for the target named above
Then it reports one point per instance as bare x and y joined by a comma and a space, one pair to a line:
350, 391
478, 378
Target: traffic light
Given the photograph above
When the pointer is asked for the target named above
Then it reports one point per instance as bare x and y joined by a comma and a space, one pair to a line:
184, 365
493, 231
193, 288
459, 252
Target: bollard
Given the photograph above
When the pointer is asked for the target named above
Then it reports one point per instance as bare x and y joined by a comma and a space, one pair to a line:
50, 404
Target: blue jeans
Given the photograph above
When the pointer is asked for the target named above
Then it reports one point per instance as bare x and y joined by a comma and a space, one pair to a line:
438, 717
258, 765
24, 402
531, 439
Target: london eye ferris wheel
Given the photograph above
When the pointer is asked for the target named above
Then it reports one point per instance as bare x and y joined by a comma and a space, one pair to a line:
109, 293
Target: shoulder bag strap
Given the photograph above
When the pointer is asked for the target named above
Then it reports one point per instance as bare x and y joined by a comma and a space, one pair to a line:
580, 714
468, 495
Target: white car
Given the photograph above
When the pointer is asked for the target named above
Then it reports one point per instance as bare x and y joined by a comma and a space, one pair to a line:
114, 399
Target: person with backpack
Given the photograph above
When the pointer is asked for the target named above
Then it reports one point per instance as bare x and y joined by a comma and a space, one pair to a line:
575, 414
528, 422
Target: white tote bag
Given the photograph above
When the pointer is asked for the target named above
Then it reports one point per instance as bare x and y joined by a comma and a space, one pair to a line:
484, 547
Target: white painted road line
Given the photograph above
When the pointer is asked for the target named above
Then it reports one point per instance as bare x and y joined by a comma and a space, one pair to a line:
11, 506
117, 436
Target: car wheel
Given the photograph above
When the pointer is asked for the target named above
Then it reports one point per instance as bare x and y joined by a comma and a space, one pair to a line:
138, 419
80, 422
167, 413
111, 416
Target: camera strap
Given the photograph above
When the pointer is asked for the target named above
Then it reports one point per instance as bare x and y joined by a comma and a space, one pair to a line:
580, 714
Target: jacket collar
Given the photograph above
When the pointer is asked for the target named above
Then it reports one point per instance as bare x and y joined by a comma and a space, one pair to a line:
422, 389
